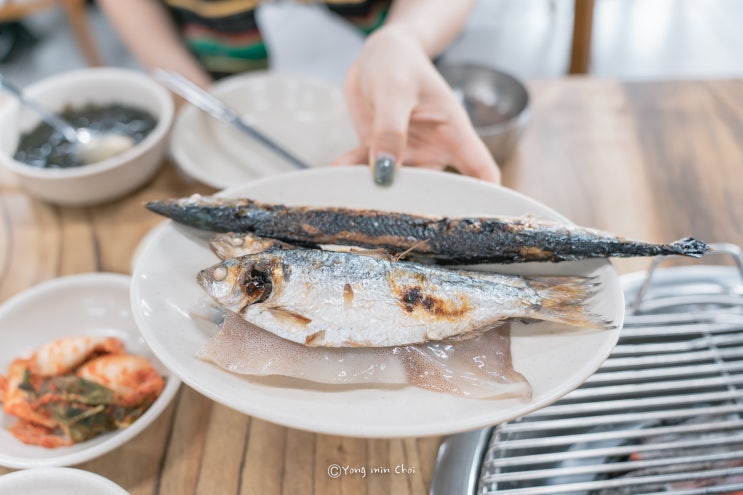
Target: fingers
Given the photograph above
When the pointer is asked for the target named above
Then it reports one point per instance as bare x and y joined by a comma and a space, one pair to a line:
475, 160
380, 115
470, 155
395, 122
358, 107
393, 105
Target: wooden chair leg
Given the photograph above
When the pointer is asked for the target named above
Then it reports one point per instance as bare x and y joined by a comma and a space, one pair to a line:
580, 56
13, 11
78, 20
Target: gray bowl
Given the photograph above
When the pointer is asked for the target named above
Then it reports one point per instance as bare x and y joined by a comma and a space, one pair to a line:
497, 103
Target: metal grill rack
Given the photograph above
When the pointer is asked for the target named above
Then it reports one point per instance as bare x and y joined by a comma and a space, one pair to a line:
662, 415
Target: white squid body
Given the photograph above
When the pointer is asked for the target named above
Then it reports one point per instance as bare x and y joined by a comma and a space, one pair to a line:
479, 368
323, 298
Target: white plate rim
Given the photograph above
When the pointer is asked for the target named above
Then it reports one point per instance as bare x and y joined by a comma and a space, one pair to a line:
117, 438
51, 475
297, 421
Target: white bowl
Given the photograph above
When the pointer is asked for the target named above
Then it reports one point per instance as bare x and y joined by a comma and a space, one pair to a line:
88, 304
58, 481
496, 102
104, 180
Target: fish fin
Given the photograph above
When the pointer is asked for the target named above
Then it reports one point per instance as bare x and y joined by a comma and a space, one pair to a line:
290, 316
688, 246
317, 338
564, 300
207, 310
412, 248
348, 295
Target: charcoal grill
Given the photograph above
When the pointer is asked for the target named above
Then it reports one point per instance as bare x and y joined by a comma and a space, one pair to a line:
662, 415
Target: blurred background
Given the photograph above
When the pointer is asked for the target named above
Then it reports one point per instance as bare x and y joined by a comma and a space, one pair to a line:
631, 39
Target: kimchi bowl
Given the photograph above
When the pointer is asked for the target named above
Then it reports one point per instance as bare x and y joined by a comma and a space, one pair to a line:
87, 305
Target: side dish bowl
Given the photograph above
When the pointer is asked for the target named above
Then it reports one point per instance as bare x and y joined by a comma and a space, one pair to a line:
95, 182
88, 304
497, 103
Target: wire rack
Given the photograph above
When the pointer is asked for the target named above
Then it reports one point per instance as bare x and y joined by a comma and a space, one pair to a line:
662, 415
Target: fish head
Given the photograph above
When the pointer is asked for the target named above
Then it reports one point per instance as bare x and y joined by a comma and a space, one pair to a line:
238, 283
229, 245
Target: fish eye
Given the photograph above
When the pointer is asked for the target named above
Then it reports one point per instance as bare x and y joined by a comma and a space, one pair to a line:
258, 285
219, 273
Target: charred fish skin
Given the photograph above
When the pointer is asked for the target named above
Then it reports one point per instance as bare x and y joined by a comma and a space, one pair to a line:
499, 240
447, 241
299, 225
339, 299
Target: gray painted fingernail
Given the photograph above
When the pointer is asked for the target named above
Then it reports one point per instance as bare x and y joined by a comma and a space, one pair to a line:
384, 170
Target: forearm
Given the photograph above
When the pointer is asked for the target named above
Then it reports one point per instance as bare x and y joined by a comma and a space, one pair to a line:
433, 23
148, 32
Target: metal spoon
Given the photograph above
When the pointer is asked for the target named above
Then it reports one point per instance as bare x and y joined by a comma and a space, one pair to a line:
215, 107
92, 145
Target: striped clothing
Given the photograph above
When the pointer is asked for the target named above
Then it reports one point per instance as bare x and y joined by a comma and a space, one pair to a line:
224, 36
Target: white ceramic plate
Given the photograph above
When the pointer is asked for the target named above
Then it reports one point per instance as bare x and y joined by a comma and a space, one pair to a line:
305, 115
88, 304
554, 359
58, 481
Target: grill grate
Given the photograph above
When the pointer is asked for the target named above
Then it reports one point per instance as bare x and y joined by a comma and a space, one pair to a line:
662, 415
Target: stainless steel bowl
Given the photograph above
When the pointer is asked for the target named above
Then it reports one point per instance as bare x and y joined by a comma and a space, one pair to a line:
497, 103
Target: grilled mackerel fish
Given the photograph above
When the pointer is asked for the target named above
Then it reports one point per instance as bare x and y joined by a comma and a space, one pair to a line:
444, 240
340, 299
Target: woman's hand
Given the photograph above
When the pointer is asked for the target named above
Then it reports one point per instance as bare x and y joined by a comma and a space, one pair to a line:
404, 112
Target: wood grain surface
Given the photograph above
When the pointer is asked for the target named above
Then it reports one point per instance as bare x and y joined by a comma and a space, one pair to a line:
651, 160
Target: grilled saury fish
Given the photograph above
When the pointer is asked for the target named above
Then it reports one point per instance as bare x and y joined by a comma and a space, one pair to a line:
445, 240
338, 299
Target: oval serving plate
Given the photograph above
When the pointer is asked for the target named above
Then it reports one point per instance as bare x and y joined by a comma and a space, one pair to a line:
87, 304
555, 359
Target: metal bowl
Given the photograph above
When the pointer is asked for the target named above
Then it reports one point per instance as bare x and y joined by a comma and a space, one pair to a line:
497, 104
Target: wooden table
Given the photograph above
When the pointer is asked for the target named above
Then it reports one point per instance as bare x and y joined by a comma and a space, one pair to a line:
656, 161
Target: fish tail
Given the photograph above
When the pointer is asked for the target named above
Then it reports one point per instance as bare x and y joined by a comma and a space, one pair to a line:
564, 300
688, 246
